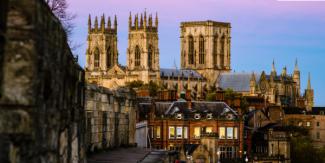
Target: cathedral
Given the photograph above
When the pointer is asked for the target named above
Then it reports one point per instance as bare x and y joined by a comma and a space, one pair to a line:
205, 62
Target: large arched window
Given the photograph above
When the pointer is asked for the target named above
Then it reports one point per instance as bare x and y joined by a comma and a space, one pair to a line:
96, 58
150, 57
201, 50
190, 50
137, 56
222, 51
215, 50
109, 58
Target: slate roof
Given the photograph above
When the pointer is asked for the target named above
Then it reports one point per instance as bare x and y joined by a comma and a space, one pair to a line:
203, 107
238, 82
183, 73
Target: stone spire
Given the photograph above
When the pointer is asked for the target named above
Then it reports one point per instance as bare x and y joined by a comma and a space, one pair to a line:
136, 21
96, 24
115, 23
156, 20
150, 20
102, 23
89, 23
145, 20
273, 72
309, 85
141, 21
130, 21
252, 84
296, 65
109, 23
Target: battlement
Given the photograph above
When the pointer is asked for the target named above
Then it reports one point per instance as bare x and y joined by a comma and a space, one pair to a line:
103, 27
143, 23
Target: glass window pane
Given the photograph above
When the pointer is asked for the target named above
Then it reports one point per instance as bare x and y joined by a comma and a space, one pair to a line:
171, 132
158, 132
222, 133
235, 133
208, 129
185, 132
230, 132
179, 132
197, 132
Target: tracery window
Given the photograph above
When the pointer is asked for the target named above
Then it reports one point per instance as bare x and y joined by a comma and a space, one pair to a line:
96, 58
150, 57
222, 51
201, 50
109, 58
215, 49
137, 56
190, 50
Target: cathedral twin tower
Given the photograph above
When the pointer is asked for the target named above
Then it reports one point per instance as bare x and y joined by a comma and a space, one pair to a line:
142, 51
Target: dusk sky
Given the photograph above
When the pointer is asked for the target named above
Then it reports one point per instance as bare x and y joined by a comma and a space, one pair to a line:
262, 30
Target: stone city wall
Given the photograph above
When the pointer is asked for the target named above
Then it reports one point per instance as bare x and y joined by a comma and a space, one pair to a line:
110, 118
41, 87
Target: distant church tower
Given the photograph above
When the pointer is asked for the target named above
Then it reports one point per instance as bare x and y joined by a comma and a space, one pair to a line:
143, 50
205, 47
102, 53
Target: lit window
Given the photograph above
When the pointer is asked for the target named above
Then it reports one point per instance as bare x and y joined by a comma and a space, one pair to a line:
230, 132
308, 124
235, 133
185, 132
222, 133
171, 132
158, 132
300, 124
197, 132
208, 129
179, 132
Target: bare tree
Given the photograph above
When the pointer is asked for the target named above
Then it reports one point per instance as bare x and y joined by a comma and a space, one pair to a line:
59, 8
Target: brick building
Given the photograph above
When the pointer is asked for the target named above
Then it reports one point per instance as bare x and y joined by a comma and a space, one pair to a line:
179, 124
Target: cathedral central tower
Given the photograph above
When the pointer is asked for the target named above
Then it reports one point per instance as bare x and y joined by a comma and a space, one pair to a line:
205, 47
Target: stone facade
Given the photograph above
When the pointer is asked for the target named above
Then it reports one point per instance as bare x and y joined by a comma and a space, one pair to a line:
42, 97
143, 50
110, 118
205, 47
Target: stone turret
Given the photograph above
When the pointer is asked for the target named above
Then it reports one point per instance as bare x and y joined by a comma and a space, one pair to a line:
273, 72
252, 84
309, 95
143, 22
99, 27
296, 78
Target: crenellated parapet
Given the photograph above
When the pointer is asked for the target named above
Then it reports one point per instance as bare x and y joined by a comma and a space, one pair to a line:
142, 22
102, 26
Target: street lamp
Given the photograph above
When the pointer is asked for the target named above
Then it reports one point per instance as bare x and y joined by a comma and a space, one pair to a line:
218, 153
246, 159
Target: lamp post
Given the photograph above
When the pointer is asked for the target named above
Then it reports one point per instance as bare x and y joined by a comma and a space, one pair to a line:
218, 153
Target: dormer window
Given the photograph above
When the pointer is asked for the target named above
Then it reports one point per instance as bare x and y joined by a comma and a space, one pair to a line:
230, 116
197, 116
179, 116
209, 116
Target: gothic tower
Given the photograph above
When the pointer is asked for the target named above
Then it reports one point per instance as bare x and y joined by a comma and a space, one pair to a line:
102, 53
205, 47
143, 50
296, 78
309, 95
